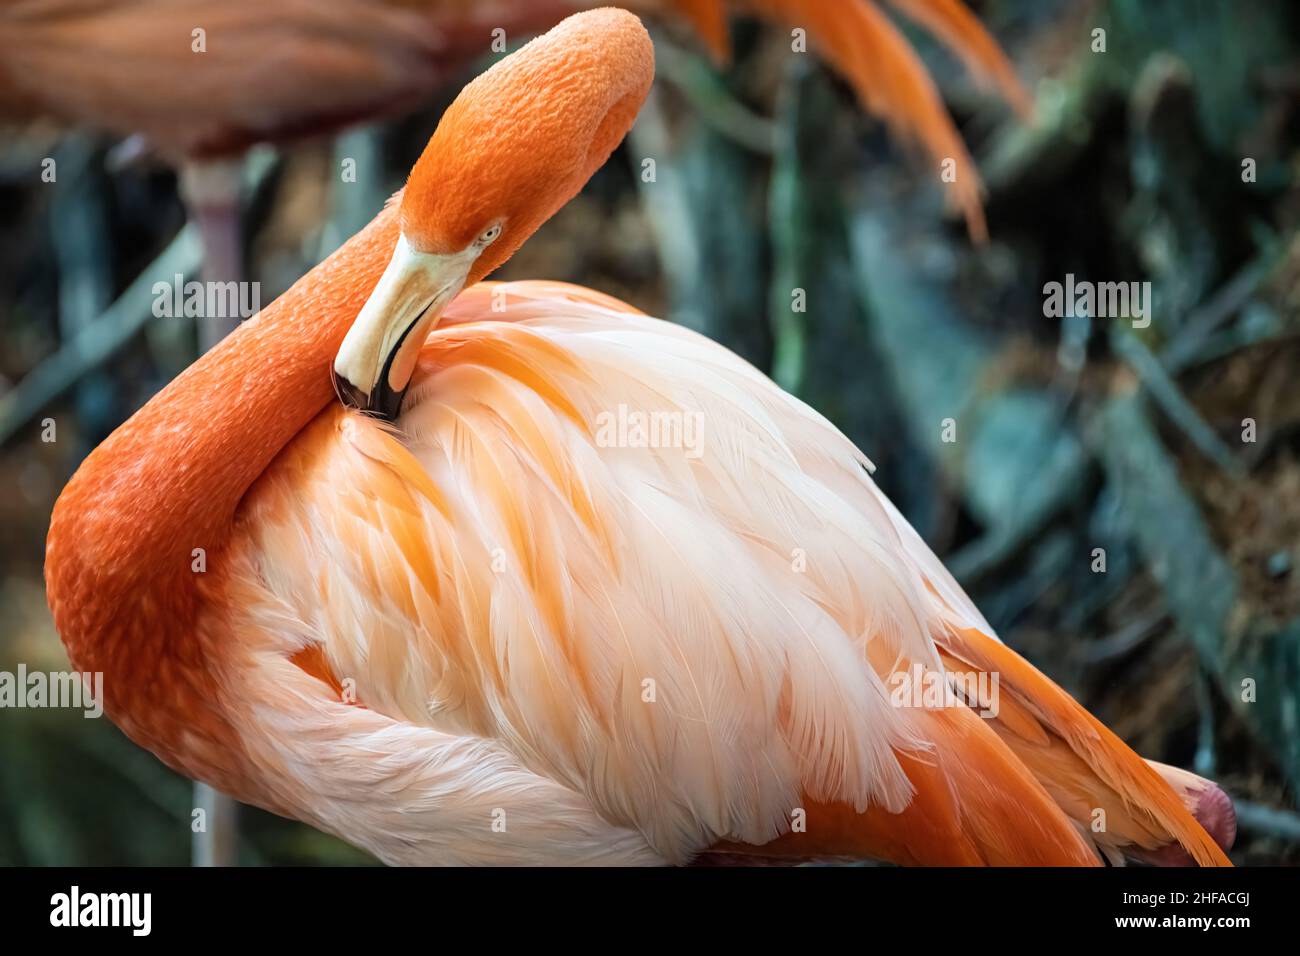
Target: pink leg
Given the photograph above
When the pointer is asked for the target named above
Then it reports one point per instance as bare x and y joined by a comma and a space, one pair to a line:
211, 191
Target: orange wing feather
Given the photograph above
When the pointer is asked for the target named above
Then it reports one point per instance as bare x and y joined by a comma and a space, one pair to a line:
1081, 761
975, 804
1020, 789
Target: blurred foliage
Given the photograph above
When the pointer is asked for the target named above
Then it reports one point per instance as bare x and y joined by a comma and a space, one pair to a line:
1073, 434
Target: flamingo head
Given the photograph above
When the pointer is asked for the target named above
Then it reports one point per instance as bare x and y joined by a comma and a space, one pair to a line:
518, 143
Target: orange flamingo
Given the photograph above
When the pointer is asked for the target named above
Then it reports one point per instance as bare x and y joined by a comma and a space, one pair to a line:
499, 629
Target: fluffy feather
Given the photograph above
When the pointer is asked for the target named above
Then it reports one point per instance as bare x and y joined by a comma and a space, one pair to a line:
692, 642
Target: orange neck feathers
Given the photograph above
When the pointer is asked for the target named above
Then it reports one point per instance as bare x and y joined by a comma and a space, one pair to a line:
158, 498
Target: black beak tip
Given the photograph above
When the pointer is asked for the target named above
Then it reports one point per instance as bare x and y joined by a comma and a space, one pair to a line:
348, 394
385, 403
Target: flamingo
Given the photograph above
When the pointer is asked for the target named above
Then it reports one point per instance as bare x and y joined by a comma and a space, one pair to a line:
201, 82
455, 619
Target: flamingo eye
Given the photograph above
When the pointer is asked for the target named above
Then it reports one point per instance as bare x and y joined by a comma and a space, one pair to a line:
489, 235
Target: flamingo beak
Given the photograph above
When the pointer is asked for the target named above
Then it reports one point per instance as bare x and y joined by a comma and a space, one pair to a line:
377, 358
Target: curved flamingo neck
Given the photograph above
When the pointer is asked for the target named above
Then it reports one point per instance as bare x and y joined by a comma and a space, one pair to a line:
121, 555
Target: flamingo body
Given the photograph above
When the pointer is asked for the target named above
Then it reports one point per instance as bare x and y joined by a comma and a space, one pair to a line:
491, 572
497, 573
496, 630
